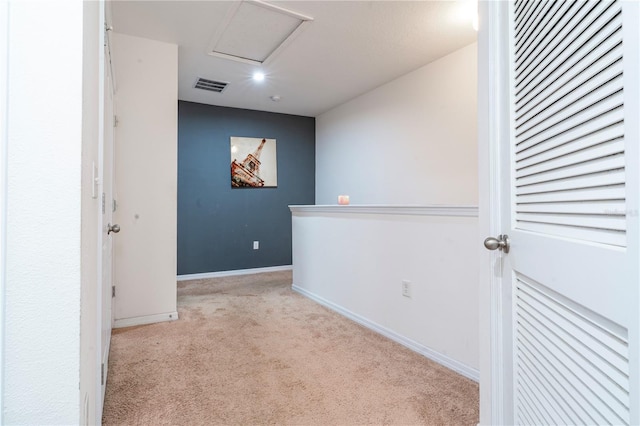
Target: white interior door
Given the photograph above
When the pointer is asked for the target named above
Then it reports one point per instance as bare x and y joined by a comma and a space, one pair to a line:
565, 110
108, 226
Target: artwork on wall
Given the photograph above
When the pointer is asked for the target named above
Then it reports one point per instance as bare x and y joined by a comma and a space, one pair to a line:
253, 163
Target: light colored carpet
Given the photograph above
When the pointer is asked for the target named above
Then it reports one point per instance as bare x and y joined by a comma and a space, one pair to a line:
248, 350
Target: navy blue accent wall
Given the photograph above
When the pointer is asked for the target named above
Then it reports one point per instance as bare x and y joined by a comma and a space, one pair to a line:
217, 224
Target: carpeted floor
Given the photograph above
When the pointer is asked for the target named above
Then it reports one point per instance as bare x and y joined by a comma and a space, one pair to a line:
248, 350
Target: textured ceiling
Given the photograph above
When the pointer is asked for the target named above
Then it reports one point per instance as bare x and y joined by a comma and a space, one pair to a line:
348, 49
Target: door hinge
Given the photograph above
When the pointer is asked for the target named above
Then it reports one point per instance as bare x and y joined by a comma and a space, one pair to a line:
102, 374
115, 121
113, 291
103, 202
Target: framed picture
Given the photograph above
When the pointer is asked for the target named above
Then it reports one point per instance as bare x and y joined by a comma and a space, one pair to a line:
253, 163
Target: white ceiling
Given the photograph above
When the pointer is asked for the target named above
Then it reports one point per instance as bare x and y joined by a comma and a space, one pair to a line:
349, 48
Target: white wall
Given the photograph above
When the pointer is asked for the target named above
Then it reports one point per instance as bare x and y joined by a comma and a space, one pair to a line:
410, 141
43, 264
355, 263
146, 99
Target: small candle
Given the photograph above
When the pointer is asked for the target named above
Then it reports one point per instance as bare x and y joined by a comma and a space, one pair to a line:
343, 200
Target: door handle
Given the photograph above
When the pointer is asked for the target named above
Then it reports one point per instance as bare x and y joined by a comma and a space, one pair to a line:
115, 228
501, 243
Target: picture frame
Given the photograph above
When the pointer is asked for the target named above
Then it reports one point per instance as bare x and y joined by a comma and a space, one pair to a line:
253, 162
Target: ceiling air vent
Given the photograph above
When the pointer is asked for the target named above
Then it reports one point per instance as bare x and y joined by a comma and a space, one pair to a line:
211, 85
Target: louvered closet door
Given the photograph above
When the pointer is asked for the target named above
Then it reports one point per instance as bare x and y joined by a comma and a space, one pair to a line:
572, 212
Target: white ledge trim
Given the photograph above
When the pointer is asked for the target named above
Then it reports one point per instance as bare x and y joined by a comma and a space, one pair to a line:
434, 210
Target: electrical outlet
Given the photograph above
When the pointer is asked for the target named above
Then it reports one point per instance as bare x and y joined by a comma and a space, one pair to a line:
406, 288
256, 245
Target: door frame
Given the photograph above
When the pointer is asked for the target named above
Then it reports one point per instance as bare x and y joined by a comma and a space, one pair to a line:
493, 99
103, 75
107, 150
4, 21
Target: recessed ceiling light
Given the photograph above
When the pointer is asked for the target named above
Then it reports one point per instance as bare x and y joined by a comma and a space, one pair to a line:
258, 76
466, 11
275, 98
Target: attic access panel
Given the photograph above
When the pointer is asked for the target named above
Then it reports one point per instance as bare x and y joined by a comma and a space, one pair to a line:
254, 31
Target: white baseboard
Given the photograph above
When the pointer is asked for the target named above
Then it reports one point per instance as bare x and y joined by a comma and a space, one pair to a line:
234, 272
448, 362
147, 319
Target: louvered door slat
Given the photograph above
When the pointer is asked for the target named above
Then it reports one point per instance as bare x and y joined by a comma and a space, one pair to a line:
579, 136
584, 116
607, 222
568, 66
551, 384
525, 416
543, 45
561, 146
570, 40
604, 236
527, 11
552, 367
576, 195
532, 26
551, 356
593, 180
581, 155
555, 11
590, 376
580, 207
569, 120
529, 17
519, 7
522, 14
548, 57
540, 48
607, 156
538, 409
597, 46
569, 170
606, 404
602, 356
599, 172
550, 399
606, 333
596, 60
572, 105
569, 100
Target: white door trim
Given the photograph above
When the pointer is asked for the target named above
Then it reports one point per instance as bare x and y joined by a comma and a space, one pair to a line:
491, 99
631, 30
103, 75
4, 24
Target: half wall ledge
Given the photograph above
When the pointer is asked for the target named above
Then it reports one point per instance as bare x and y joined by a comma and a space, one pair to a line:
357, 259
427, 210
